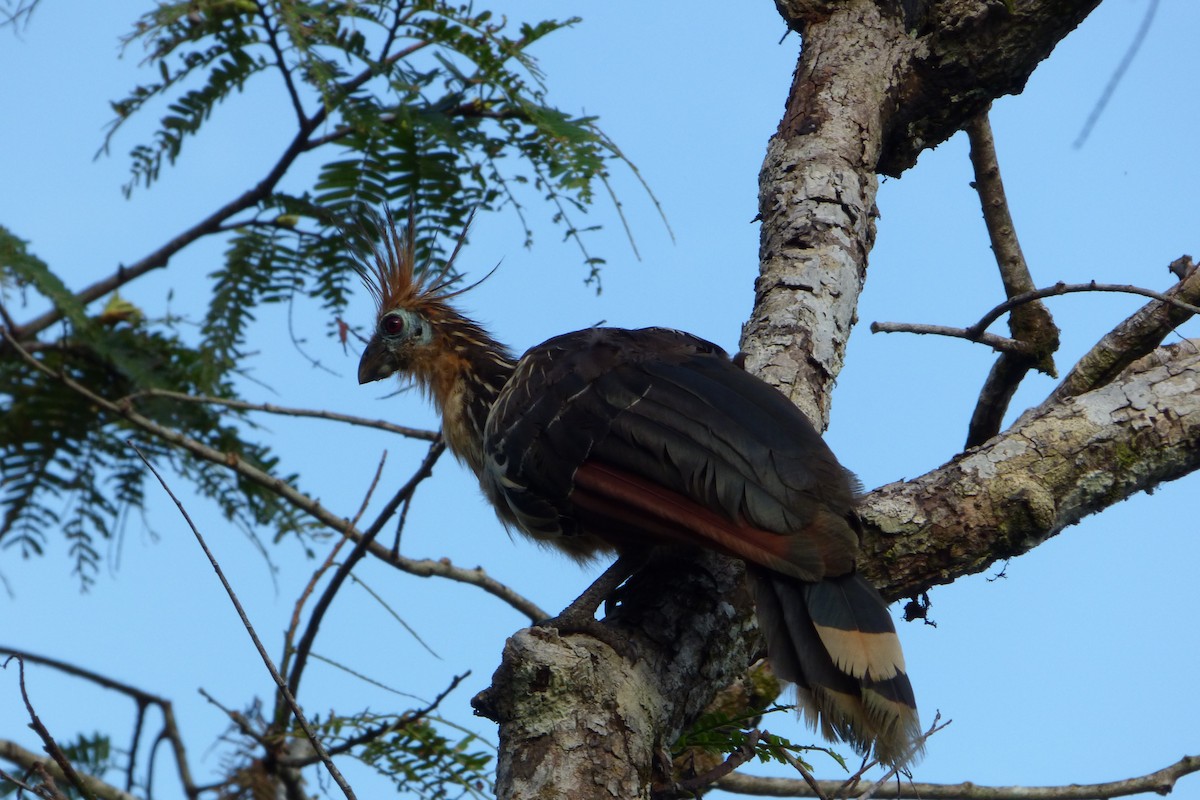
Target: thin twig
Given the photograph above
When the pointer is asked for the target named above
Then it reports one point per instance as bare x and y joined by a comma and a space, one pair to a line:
334, 772
382, 730
281, 63
360, 549
1133, 338
1000, 344
301, 143
48, 742
1071, 288
809, 780
1111, 88
294, 625
978, 331
271, 408
914, 748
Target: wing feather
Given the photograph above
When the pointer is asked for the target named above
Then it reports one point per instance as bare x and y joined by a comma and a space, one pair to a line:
672, 410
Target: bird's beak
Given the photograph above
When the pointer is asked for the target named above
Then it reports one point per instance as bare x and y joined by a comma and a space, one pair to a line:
377, 362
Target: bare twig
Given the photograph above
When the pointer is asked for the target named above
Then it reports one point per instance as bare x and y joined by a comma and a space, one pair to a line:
916, 747
1136, 336
239, 720
271, 408
809, 781
423, 568
294, 625
1029, 323
141, 697
1160, 782
1118, 73
28, 760
978, 331
1001, 344
334, 772
1072, 288
360, 550
48, 742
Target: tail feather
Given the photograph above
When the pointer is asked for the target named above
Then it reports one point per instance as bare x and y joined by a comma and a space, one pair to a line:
835, 641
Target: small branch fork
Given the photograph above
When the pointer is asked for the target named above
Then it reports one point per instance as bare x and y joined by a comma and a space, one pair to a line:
143, 699
1034, 337
976, 332
1029, 323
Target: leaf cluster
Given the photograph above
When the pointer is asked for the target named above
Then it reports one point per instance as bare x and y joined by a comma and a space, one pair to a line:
65, 463
418, 757
722, 733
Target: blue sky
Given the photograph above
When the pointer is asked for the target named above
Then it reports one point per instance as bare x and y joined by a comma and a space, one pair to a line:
1074, 667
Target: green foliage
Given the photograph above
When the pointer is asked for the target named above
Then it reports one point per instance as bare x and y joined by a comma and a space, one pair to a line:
722, 733
428, 106
67, 464
89, 755
417, 756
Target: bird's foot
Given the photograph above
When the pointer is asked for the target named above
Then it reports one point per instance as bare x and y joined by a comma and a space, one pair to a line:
580, 615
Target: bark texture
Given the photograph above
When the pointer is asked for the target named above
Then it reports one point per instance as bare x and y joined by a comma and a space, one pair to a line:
1057, 465
581, 719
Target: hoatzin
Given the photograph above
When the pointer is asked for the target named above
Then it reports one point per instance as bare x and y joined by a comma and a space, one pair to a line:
608, 439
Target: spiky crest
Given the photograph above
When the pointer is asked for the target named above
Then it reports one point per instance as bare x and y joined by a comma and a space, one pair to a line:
463, 368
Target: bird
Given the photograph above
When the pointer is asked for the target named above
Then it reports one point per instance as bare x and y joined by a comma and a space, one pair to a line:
612, 440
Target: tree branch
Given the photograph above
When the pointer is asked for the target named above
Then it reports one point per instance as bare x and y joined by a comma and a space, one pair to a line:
48, 742
140, 696
15, 754
1160, 782
271, 408
1029, 323
1136, 336
1058, 465
212, 223
999, 343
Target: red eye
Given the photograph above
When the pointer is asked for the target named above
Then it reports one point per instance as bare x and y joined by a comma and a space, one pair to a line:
392, 324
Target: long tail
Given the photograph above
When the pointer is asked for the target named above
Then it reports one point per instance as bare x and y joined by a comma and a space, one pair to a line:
836, 642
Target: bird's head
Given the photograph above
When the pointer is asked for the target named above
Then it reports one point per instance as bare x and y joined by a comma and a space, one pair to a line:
409, 312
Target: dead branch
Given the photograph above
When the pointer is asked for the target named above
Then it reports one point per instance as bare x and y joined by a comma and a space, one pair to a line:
356, 555
1000, 344
1071, 288
381, 730
48, 742
1136, 336
978, 331
1160, 782
334, 772
1030, 323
